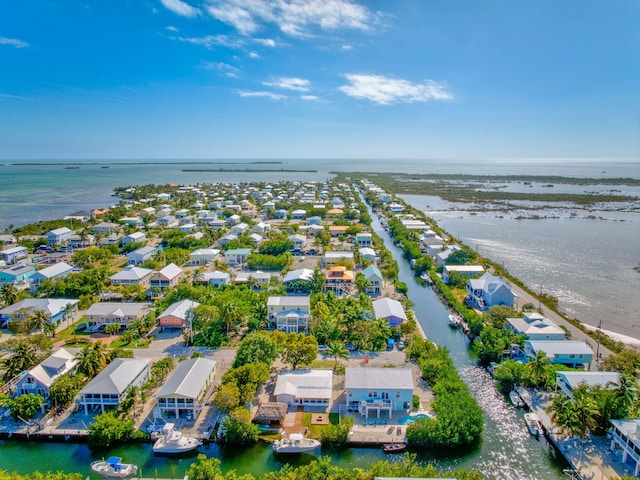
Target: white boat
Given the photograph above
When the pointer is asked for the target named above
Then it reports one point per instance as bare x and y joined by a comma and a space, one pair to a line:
533, 424
516, 399
454, 320
113, 468
171, 440
294, 443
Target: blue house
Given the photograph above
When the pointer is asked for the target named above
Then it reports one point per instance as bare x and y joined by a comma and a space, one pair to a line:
59, 236
575, 354
378, 392
375, 280
489, 290
389, 309
17, 275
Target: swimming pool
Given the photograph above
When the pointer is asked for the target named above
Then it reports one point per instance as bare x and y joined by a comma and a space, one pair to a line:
411, 418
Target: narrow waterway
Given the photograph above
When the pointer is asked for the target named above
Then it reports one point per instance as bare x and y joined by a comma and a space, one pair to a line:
507, 451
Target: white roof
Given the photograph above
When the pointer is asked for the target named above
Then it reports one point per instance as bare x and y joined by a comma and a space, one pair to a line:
179, 309
464, 268
170, 271
305, 383
382, 378
338, 254
144, 251
591, 379
388, 307
59, 231
188, 379
288, 301
136, 235
534, 325
108, 308
50, 306
302, 274
47, 371
117, 376
55, 270
131, 273
9, 251
367, 251
216, 275
561, 347
201, 252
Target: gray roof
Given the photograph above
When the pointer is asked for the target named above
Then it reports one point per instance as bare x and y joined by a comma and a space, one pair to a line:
288, 301
131, 273
108, 308
560, 347
188, 379
179, 309
388, 307
49, 369
55, 270
302, 274
50, 306
305, 383
382, 378
591, 379
117, 376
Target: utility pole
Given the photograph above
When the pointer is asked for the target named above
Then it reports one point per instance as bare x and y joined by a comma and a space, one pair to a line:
598, 345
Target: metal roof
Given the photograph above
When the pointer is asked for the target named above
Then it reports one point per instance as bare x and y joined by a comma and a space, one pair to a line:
188, 379
379, 378
305, 383
50, 306
388, 307
179, 309
288, 301
117, 376
560, 347
107, 308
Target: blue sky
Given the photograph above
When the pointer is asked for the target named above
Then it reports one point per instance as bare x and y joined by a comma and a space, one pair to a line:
313, 79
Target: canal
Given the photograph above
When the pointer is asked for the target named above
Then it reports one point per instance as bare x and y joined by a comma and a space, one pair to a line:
507, 451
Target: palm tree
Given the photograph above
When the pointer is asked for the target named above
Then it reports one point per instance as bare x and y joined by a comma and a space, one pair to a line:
91, 359
231, 315
38, 321
24, 356
563, 415
197, 276
586, 409
538, 368
337, 350
626, 395
9, 294
69, 309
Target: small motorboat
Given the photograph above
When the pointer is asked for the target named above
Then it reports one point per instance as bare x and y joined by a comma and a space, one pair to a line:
171, 440
454, 321
516, 399
295, 443
533, 424
113, 468
394, 447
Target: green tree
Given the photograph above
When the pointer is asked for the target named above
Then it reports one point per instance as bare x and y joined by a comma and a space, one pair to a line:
238, 427
24, 356
108, 430
26, 406
205, 469
361, 282
537, 368
299, 349
337, 350
9, 294
509, 374
112, 328
256, 347
91, 359
228, 397
64, 389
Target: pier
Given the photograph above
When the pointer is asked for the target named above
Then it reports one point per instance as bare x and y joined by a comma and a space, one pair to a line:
590, 457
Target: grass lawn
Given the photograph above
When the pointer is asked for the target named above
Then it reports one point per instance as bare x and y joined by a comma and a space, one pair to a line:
316, 430
73, 331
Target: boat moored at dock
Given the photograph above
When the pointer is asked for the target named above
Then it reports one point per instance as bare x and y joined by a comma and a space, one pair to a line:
295, 443
113, 467
171, 440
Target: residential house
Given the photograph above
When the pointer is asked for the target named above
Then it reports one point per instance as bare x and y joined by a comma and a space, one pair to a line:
132, 221
177, 315
39, 379
464, 270
112, 239
13, 254
18, 275
378, 391
330, 258
568, 381
58, 236
489, 290
289, 314
169, 276
261, 228
298, 214
104, 313
225, 240
389, 309
237, 256
105, 227
239, 229
81, 241
375, 281
188, 388
110, 386
55, 308
315, 220
141, 255
368, 254
132, 276
281, 214
81, 216
395, 208
315, 230
307, 388
299, 241
59, 270
135, 237
216, 278
574, 353
259, 280
256, 239
441, 257
626, 437
337, 230
202, 256
364, 239
168, 221
298, 281
338, 280
535, 327
233, 220
188, 227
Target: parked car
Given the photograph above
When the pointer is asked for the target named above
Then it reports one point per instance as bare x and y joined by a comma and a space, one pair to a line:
322, 348
350, 346
400, 345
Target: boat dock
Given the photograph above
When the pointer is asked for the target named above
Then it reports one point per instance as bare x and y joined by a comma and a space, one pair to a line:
377, 435
589, 458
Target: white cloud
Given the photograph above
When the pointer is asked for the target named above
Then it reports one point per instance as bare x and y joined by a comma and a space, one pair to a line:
14, 42
293, 17
309, 97
289, 83
209, 41
267, 42
347, 47
385, 90
271, 95
171, 28
254, 55
181, 8
223, 68
15, 97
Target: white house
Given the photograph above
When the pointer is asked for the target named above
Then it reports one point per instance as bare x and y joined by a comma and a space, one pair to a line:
39, 379
104, 313
132, 276
59, 270
169, 276
465, 270
237, 256
203, 255
299, 241
259, 279
216, 278
135, 237
441, 257
298, 281
568, 381
309, 388
330, 258
58, 236
55, 308
141, 255
626, 437
13, 254
188, 387
109, 387
289, 314
378, 391
572, 353
105, 227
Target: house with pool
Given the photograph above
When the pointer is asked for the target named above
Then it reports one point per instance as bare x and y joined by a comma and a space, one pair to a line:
378, 392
